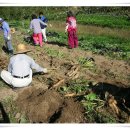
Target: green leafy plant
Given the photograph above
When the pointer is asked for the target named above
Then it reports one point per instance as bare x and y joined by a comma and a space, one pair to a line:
77, 86
86, 63
54, 53
91, 97
64, 89
103, 20
89, 103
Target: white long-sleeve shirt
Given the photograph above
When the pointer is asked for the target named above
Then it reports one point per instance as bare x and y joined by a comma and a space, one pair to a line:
21, 64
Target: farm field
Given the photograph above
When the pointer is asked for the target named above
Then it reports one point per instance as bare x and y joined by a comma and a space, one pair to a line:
88, 84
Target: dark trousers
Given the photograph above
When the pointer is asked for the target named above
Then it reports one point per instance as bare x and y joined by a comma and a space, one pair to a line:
72, 39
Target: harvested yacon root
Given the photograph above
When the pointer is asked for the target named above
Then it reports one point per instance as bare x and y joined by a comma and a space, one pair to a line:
73, 95
73, 73
70, 95
113, 104
55, 86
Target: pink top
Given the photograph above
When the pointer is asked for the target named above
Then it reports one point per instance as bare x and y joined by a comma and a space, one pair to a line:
71, 23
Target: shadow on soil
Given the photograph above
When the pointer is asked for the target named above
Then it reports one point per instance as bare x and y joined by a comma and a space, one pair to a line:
5, 118
57, 43
5, 49
121, 94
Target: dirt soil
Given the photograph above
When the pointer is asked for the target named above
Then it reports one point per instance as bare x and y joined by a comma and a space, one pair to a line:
48, 107
39, 105
72, 112
42, 103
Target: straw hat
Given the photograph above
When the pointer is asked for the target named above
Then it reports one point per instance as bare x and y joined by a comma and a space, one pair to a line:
21, 48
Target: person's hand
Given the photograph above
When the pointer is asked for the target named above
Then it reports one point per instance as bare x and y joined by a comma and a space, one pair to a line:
50, 25
9, 37
45, 70
28, 30
65, 30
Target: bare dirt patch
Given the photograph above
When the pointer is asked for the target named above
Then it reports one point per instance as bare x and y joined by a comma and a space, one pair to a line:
39, 106
3, 61
72, 112
48, 106
42, 103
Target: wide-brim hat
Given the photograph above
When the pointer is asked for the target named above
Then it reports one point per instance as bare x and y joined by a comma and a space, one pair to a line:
21, 48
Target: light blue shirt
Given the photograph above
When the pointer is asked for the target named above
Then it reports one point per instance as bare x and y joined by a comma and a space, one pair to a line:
21, 64
5, 28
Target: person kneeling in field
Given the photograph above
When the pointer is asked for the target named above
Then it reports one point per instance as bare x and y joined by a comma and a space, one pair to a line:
20, 67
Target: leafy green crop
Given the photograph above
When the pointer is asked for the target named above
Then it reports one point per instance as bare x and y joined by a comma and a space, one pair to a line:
86, 63
54, 53
106, 45
90, 97
103, 20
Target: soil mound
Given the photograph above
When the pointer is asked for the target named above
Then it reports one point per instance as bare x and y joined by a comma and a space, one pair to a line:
71, 113
39, 105
3, 62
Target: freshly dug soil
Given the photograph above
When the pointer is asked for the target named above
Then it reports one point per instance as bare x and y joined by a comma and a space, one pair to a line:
3, 62
72, 112
39, 105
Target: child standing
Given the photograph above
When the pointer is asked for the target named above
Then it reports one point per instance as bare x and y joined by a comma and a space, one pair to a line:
37, 32
7, 35
43, 27
71, 28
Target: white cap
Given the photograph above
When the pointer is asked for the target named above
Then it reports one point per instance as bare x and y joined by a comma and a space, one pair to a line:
1, 20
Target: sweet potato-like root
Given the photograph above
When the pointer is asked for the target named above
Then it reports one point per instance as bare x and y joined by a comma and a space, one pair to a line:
113, 104
74, 72
73, 95
114, 108
58, 83
70, 95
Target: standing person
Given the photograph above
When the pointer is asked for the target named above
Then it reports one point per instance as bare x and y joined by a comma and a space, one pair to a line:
37, 32
20, 67
71, 28
43, 27
7, 35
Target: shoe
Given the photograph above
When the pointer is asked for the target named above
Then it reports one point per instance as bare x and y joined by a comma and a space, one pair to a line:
70, 48
41, 45
11, 53
36, 44
46, 41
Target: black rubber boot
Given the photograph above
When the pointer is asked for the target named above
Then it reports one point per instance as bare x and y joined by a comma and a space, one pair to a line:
11, 52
